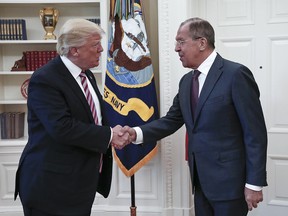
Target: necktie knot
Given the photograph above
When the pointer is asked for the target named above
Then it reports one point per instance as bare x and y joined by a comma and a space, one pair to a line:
82, 74
196, 74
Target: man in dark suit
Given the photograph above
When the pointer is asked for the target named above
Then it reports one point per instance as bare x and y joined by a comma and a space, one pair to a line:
68, 155
227, 137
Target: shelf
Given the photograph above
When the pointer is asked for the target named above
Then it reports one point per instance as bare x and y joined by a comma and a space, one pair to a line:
48, 1
29, 11
13, 102
14, 142
15, 73
11, 82
17, 42
11, 98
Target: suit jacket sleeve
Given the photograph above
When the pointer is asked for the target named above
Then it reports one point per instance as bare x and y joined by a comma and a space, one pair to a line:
246, 95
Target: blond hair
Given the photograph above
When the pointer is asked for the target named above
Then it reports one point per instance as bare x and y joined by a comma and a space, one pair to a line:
74, 33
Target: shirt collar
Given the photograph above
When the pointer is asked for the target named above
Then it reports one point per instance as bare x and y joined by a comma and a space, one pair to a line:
206, 65
73, 69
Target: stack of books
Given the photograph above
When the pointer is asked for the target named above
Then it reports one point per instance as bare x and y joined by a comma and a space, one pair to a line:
95, 20
12, 125
36, 59
13, 29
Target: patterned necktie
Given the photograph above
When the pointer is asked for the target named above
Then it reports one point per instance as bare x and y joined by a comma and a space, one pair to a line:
91, 104
195, 91
88, 96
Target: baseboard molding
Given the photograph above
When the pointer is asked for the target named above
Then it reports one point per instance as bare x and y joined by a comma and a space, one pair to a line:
113, 210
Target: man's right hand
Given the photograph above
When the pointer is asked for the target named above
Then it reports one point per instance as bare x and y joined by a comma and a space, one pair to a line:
120, 138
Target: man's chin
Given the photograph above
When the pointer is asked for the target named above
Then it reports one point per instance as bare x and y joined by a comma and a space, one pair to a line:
184, 64
96, 64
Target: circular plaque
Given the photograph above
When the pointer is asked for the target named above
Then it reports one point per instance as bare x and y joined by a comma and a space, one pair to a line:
24, 88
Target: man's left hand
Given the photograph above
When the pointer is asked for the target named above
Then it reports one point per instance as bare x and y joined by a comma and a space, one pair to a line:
253, 198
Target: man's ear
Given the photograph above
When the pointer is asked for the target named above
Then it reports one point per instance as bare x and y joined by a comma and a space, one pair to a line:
202, 44
74, 51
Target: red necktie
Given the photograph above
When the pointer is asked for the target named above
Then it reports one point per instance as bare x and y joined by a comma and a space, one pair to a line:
194, 100
91, 104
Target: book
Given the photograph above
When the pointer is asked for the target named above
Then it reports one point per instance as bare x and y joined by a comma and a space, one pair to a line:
10, 30
94, 20
19, 120
24, 33
12, 125
35, 59
2, 125
13, 29
1, 27
18, 29
27, 58
7, 125
5, 36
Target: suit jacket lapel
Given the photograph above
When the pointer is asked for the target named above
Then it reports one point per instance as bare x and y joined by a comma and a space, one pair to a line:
67, 77
188, 85
211, 79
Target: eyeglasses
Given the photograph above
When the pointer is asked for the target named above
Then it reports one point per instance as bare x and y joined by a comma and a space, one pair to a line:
181, 42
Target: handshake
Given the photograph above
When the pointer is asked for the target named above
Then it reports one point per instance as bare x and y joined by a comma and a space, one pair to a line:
122, 136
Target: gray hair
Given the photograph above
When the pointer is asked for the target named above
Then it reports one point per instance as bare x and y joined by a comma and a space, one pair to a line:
74, 33
201, 28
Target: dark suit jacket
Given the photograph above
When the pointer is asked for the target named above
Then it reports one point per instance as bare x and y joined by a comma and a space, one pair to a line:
228, 140
59, 167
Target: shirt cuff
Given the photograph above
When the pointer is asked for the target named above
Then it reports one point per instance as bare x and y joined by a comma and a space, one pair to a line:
111, 136
253, 187
139, 136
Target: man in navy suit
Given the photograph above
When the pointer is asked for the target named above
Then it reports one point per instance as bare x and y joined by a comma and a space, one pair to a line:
68, 155
227, 140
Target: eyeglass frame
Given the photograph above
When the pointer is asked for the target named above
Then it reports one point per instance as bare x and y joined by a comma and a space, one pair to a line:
181, 42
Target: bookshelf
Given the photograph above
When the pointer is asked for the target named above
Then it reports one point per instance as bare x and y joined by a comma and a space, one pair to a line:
11, 98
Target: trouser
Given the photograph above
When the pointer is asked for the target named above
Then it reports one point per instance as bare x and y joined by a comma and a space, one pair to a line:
205, 207
36, 212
